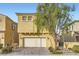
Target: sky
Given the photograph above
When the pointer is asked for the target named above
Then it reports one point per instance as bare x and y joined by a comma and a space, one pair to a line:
10, 9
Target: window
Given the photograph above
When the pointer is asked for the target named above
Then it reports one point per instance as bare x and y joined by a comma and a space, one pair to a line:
13, 26
29, 18
24, 18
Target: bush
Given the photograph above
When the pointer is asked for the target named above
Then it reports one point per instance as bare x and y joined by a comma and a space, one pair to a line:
70, 48
75, 48
58, 48
51, 49
55, 51
1, 45
6, 50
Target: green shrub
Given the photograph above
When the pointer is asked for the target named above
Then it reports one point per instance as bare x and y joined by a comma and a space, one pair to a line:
1, 45
70, 48
51, 49
58, 48
75, 48
57, 51
6, 50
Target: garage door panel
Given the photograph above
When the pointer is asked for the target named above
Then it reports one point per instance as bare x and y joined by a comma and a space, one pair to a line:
37, 42
34, 42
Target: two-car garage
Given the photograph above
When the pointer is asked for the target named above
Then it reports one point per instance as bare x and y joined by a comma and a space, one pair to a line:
35, 42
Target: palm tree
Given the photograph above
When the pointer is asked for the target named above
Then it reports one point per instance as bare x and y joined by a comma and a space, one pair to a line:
52, 17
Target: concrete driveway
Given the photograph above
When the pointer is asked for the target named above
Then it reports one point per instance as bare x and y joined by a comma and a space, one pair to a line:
30, 51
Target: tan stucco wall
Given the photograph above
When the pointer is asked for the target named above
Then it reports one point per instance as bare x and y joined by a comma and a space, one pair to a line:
53, 42
70, 44
21, 37
2, 23
9, 37
28, 26
2, 38
49, 40
6, 31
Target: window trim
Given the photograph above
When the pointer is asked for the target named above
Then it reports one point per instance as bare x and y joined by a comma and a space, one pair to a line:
30, 18
24, 18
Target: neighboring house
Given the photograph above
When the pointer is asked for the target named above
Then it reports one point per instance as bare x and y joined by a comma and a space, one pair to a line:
8, 31
28, 36
72, 37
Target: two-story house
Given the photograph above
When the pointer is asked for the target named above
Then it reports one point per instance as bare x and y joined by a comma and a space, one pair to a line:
28, 36
8, 31
72, 37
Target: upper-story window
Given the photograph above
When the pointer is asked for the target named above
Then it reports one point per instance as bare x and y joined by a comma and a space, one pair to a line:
24, 18
29, 18
13, 26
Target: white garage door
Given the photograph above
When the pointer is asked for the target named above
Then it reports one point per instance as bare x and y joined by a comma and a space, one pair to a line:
34, 42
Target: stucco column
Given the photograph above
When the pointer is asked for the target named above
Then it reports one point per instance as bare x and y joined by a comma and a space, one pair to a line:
51, 40
20, 42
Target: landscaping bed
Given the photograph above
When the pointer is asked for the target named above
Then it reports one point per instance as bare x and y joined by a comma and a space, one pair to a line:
5, 50
75, 48
53, 51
